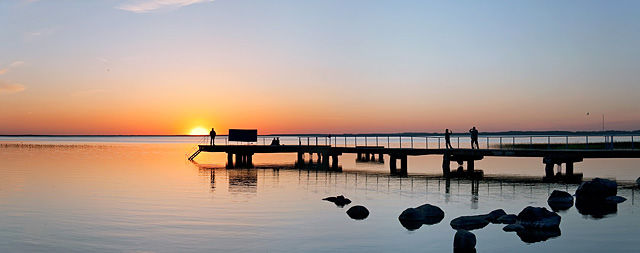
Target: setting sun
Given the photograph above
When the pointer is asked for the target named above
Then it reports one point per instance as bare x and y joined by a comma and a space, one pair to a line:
199, 131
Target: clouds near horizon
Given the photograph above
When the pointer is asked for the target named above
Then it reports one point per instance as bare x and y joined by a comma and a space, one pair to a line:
10, 88
144, 6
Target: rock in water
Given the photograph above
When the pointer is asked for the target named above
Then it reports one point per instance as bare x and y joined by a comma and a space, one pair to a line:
638, 182
340, 201
513, 227
597, 189
494, 215
538, 217
615, 199
469, 222
464, 241
414, 218
507, 219
560, 200
358, 212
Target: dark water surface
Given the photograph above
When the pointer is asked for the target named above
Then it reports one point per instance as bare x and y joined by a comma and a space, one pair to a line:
145, 197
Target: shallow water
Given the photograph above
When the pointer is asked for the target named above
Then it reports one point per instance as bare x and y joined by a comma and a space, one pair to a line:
145, 197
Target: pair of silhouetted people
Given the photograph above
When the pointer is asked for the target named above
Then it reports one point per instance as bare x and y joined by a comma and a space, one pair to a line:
474, 138
447, 138
212, 133
275, 142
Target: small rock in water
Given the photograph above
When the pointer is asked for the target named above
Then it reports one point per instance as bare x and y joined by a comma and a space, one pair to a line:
507, 219
560, 200
469, 222
464, 241
513, 228
340, 201
638, 182
358, 212
538, 217
494, 215
615, 199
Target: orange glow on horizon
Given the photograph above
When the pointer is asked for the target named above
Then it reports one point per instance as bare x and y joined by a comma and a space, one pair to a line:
199, 131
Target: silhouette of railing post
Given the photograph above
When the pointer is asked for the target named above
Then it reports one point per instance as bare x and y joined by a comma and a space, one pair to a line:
587, 142
376, 140
530, 142
459, 142
388, 142
426, 142
411, 141
632, 147
400, 140
548, 142
513, 143
487, 142
500, 142
365, 141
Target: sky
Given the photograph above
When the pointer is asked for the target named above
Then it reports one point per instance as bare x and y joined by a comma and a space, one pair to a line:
330, 66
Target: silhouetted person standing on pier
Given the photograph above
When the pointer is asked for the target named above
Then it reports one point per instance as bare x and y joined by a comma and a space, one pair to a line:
447, 138
212, 133
474, 138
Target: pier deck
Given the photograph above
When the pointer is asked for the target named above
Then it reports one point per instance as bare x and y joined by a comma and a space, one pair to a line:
550, 157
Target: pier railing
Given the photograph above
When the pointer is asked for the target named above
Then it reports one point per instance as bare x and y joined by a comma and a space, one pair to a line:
608, 142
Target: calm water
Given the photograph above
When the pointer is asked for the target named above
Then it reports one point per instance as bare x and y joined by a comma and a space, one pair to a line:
141, 195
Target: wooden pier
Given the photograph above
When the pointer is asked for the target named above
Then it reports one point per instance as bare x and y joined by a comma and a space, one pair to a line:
328, 156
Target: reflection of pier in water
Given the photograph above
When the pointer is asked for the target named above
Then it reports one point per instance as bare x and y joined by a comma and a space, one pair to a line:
508, 187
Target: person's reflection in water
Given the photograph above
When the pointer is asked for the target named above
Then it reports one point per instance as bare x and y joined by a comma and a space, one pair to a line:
475, 185
447, 190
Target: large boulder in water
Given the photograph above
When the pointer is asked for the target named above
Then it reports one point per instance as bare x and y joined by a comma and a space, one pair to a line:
358, 212
560, 200
340, 201
538, 218
469, 222
414, 218
597, 189
464, 241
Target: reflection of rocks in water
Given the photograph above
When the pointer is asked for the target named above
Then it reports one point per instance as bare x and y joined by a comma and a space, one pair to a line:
464, 241
243, 180
358, 212
596, 209
560, 200
414, 218
537, 235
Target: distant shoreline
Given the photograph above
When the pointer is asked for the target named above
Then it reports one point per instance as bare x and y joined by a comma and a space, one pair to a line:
514, 133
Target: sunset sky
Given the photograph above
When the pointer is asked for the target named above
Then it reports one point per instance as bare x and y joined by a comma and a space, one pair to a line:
330, 66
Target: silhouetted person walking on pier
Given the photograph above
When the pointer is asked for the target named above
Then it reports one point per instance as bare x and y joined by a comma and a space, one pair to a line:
474, 138
212, 133
447, 138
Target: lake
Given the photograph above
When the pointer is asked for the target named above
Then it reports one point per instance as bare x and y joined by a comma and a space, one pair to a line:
140, 194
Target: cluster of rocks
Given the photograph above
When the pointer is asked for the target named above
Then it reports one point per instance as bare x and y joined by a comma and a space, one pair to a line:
355, 212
